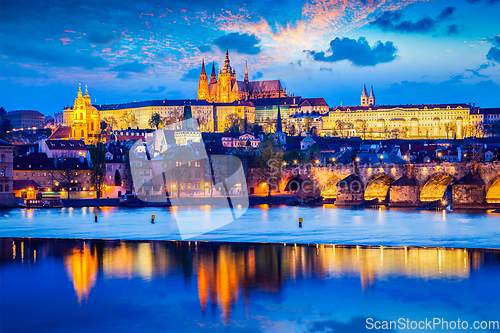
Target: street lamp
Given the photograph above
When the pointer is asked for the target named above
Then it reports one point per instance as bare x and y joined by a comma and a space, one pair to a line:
380, 157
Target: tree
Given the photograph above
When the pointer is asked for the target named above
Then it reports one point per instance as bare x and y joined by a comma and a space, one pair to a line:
256, 129
290, 128
128, 120
234, 124
363, 124
269, 126
66, 174
339, 128
98, 164
449, 128
307, 123
5, 127
111, 121
118, 178
155, 120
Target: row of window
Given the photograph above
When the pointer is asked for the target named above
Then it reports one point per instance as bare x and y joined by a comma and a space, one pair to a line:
6, 187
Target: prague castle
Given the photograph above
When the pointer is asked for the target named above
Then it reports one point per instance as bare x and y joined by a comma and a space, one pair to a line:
224, 88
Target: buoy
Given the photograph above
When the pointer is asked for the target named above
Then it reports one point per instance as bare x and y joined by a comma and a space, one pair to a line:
95, 215
152, 219
300, 222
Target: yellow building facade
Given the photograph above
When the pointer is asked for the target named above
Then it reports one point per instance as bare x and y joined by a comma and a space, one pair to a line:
399, 121
85, 123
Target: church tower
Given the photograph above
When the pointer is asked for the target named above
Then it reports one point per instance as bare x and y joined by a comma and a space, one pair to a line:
213, 77
371, 99
86, 120
203, 83
364, 97
246, 73
227, 77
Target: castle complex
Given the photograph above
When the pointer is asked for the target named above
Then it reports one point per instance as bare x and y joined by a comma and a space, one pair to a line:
224, 88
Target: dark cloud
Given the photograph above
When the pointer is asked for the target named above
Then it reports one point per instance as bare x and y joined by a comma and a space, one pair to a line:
194, 74
150, 90
453, 29
358, 52
131, 67
446, 13
204, 48
392, 21
494, 52
476, 72
123, 75
103, 37
241, 43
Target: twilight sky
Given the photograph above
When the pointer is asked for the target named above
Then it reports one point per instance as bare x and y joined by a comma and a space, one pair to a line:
412, 51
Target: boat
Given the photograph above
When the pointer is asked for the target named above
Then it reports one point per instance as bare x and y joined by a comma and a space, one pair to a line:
42, 203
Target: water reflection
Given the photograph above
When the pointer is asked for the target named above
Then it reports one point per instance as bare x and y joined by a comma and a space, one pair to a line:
227, 272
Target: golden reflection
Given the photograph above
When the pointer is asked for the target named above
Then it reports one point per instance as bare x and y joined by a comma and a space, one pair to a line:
226, 273
82, 267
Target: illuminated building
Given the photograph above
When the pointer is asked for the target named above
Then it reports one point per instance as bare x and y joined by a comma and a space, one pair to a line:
399, 121
6, 174
85, 124
224, 88
24, 119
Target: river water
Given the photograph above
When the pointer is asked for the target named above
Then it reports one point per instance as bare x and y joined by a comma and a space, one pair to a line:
54, 285
279, 224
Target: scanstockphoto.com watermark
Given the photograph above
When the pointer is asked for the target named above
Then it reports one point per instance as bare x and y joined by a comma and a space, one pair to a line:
439, 324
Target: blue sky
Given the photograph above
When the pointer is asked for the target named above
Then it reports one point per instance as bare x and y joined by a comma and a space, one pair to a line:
410, 51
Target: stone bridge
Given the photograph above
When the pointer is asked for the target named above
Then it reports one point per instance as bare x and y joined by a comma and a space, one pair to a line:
462, 184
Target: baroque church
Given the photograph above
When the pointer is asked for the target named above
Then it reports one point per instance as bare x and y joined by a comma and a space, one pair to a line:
86, 121
224, 88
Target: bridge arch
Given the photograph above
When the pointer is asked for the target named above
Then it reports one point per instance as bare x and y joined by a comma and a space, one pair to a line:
435, 187
329, 188
293, 184
378, 187
493, 190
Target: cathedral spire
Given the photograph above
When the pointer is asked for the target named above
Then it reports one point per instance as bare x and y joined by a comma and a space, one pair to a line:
213, 77
371, 93
79, 90
86, 91
227, 64
246, 72
203, 67
364, 91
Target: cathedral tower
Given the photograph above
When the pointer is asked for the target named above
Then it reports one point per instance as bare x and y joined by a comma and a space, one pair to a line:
203, 83
213, 77
364, 97
246, 73
371, 99
227, 77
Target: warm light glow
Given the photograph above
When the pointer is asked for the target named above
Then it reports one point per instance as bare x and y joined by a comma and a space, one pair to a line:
295, 161
357, 159
317, 161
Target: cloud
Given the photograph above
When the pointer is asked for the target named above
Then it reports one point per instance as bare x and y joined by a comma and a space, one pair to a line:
453, 29
391, 21
325, 69
103, 37
204, 48
359, 52
476, 72
131, 67
494, 52
150, 90
241, 43
193, 74
446, 13
123, 75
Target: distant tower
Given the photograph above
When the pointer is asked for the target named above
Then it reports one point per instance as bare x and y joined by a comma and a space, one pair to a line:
203, 83
364, 97
227, 78
246, 73
86, 120
371, 99
213, 77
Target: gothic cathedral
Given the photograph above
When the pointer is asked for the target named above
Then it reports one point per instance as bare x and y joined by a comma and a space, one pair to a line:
224, 88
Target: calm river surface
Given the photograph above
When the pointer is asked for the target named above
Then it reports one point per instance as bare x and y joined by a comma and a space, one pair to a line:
324, 225
50, 285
